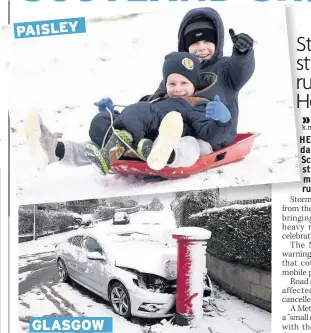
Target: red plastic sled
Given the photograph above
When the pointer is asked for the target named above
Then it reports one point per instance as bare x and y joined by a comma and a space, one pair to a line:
241, 146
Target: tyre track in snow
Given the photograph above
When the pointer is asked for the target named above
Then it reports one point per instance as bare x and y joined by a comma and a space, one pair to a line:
37, 264
44, 276
42, 272
63, 306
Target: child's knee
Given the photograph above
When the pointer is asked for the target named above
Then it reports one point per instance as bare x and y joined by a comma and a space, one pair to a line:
187, 152
205, 147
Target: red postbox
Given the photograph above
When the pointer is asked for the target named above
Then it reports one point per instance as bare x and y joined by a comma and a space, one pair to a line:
191, 266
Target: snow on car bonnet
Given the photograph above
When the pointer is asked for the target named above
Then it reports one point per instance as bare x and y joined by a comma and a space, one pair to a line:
139, 251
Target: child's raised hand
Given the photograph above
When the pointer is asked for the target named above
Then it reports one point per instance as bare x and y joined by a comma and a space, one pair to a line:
217, 110
105, 103
242, 42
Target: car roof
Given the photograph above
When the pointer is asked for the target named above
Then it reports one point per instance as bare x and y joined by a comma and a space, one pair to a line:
120, 213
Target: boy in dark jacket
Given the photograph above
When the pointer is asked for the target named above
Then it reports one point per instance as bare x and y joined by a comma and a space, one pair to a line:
201, 33
179, 114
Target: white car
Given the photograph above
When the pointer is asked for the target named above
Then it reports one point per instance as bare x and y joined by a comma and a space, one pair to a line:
121, 218
133, 271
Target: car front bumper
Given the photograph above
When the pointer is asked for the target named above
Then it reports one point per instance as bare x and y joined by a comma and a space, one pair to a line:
148, 304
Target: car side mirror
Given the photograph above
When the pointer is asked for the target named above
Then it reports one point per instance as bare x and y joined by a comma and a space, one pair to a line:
96, 256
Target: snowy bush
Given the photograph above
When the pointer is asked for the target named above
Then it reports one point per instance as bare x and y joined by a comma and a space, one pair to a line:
155, 205
60, 221
240, 233
104, 213
189, 203
82, 206
177, 209
45, 221
121, 202
26, 220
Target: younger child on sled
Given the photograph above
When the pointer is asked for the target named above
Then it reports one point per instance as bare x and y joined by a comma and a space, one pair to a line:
174, 130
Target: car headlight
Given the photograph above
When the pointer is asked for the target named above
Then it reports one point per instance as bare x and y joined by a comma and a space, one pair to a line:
151, 282
141, 282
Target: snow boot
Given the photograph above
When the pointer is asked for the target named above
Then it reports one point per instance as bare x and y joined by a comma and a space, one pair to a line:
144, 148
105, 157
42, 143
170, 132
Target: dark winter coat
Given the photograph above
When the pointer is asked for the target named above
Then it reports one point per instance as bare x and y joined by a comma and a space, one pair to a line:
143, 119
232, 72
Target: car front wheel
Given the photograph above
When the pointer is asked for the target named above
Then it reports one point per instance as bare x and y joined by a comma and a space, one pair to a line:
120, 300
62, 271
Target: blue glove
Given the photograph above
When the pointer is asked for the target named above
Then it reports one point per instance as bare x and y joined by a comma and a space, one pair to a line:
217, 110
104, 103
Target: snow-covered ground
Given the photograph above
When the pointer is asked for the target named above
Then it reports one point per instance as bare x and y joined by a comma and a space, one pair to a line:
43, 297
122, 58
61, 299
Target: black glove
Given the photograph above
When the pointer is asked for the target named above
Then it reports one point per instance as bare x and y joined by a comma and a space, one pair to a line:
242, 43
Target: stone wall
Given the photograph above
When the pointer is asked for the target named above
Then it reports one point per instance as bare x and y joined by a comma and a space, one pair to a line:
250, 284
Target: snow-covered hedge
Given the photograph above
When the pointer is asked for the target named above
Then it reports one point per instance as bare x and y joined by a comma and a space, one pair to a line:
26, 220
189, 203
45, 221
120, 202
240, 233
104, 213
82, 206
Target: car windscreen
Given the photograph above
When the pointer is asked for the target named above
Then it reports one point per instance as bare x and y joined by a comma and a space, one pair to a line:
119, 215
